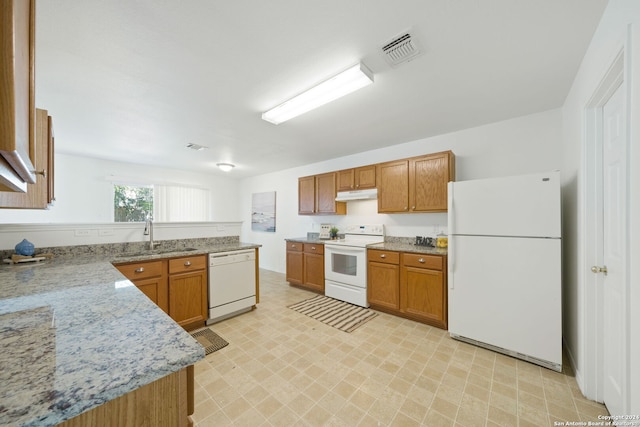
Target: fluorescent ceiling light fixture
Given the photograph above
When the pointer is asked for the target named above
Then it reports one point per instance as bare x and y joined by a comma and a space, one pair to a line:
226, 167
350, 80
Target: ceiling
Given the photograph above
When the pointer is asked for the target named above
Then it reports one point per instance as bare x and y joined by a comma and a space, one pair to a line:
138, 80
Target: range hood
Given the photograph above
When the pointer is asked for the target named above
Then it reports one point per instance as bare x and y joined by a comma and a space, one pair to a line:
345, 196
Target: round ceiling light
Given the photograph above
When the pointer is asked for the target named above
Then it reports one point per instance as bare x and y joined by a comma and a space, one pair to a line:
226, 167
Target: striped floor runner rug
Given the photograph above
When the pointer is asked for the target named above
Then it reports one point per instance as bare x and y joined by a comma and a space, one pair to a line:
341, 315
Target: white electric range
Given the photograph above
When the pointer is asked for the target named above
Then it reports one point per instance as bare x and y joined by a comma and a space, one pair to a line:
345, 263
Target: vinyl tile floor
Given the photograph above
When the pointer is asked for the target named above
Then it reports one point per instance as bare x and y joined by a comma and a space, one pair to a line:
282, 368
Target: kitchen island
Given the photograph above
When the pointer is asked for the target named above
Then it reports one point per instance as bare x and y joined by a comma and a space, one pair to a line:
77, 336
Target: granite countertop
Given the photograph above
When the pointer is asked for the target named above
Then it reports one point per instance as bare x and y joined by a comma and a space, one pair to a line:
396, 244
408, 247
76, 333
307, 240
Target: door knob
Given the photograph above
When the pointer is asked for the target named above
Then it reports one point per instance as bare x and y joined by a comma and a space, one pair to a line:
597, 269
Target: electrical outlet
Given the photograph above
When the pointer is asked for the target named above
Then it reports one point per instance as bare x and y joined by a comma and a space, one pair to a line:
82, 233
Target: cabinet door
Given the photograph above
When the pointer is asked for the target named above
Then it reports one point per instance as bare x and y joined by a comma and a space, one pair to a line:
326, 191
51, 197
40, 194
314, 272
188, 298
150, 277
151, 288
346, 180
423, 295
295, 266
393, 186
307, 195
365, 177
383, 287
17, 94
428, 178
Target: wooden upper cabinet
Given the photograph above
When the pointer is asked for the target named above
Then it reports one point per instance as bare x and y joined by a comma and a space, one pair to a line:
393, 186
357, 179
38, 195
428, 179
17, 95
307, 195
418, 184
346, 180
326, 189
317, 195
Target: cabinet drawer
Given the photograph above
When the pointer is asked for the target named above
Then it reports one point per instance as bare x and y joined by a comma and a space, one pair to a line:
432, 262
387, 257
180, 265
295, 246
314, 248
141, 270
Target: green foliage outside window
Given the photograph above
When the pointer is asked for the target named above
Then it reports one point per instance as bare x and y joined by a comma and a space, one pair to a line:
132, 203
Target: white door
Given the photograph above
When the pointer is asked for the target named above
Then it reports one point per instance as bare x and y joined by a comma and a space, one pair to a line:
614, 171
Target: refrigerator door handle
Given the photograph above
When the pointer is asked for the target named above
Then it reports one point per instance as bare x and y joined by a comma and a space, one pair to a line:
451, 259
450, 252
450, 213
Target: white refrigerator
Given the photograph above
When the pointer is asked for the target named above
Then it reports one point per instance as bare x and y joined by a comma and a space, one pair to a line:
504, 268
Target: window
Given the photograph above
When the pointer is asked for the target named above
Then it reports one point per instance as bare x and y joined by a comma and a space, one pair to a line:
167, 203
132, 203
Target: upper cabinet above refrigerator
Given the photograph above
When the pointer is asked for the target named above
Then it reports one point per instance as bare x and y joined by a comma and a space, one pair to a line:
17, 95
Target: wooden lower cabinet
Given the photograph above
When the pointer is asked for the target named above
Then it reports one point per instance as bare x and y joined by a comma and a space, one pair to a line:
314, 267
295, 263
151, 278
177, 285
305, 265
167, 402
409, 285
383, 276
188, 291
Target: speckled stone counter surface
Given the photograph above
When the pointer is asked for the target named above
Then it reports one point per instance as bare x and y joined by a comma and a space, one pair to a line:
399, 244
75, 334
407, 247
306, 240
406, 244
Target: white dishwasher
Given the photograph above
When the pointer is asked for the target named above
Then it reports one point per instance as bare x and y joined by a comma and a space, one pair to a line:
232, 283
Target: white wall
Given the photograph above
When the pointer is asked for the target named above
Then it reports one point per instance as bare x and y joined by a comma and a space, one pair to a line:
606, 43
84, 191
518, 146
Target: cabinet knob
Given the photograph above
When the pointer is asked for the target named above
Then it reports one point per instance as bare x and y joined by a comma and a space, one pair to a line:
293, 246
383, 256
421, 260
405, 208
413, 208
187, 264
313, 248
139, 270
43, 172
357, 185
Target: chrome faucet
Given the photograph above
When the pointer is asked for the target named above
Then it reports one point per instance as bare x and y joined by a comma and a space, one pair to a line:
148, 231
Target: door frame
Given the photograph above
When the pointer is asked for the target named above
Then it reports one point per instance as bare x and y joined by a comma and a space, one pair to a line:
591, 315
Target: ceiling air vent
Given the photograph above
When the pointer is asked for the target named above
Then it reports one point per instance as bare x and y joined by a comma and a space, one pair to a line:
401, 49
